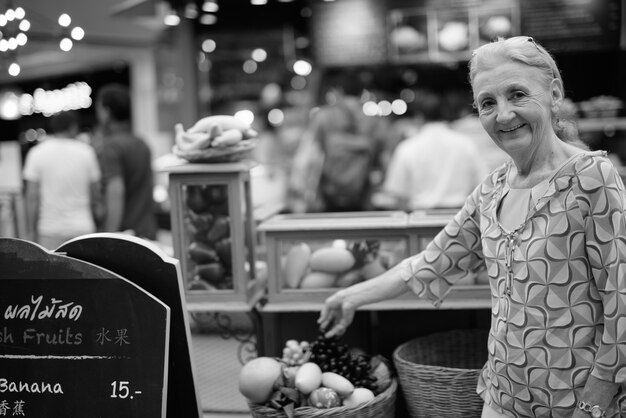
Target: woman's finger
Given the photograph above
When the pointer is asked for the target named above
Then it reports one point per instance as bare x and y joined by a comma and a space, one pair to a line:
323, 315
336, 331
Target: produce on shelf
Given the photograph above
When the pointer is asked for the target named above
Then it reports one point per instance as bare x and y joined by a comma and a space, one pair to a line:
341, 264
331, 260
321, 374
297, 264
601, 106
318, 279
218, 131
207, 227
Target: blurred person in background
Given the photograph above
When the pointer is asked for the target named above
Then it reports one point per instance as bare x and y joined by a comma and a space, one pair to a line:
465, 120
62, 178
550, 226
126, 163
435, 168
338, 159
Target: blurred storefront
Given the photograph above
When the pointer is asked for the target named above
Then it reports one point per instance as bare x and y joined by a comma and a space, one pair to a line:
215, 57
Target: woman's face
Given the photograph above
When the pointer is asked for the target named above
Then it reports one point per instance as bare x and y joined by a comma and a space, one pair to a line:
514, 104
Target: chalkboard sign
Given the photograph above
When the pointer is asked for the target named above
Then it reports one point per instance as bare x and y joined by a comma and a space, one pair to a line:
77, 340
150, 268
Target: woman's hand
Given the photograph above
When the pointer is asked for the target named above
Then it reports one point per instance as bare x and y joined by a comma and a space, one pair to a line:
337, 314
338, 311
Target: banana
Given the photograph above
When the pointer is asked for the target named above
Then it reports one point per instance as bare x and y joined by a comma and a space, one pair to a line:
187, 141
227, 138
224, 123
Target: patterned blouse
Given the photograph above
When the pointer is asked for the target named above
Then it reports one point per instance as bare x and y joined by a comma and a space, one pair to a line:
557, 284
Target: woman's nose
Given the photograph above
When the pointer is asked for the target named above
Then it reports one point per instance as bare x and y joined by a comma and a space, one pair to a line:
504, 112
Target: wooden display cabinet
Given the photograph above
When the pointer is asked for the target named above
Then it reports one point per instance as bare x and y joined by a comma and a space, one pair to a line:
396, 235
213, 234
376, 240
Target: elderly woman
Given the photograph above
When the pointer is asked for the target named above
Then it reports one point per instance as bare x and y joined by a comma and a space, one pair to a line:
549, 225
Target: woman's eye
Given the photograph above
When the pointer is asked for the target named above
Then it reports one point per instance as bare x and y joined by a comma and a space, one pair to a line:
518, 94
485, 105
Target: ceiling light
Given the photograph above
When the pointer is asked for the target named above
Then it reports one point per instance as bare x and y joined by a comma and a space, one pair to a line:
77, 33
64, 20
208, 19
259, 55
210, 6
191, 11
171, 19
208, 45
14, 69
24, 25
21, 39
14, 25
66, 44
250, 66
302, 67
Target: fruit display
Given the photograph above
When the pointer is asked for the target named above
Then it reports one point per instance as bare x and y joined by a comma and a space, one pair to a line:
320, 374
337, 264
217, 131
208, 242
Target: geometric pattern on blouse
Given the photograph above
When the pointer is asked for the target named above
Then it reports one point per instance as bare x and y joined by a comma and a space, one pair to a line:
558, 286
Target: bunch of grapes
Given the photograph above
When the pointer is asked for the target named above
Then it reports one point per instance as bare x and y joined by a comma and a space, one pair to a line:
334, 357
296, 353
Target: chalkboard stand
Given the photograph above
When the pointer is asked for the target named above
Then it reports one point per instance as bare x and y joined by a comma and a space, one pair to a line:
78, 339
150, 268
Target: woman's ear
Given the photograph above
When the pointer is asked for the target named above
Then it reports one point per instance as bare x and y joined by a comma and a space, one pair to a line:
556, 92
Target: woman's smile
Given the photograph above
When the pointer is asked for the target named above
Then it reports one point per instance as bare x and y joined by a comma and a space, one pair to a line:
512, 129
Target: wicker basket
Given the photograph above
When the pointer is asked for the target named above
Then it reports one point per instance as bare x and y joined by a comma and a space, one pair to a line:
438, 373
382, 406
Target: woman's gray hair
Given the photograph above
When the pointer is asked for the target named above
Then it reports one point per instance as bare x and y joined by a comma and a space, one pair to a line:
524, 50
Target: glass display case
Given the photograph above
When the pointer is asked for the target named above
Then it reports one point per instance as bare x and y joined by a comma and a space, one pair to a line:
311, 256
213, 232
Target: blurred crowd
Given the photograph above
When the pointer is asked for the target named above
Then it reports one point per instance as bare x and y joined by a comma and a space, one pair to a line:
431, 157
330, 158
77, 184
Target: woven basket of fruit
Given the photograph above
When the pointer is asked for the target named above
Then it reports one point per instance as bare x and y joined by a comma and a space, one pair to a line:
324, 379
438, 373
215, 139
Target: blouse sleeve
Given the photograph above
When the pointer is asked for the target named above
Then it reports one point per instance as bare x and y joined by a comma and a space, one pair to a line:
453, 254
605, 237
